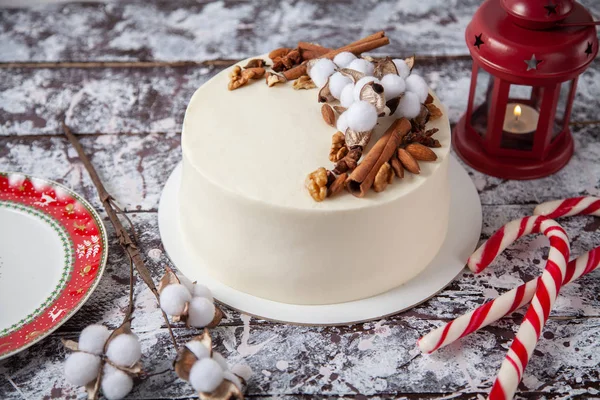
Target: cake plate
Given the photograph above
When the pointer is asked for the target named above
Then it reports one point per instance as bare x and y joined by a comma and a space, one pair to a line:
463, 234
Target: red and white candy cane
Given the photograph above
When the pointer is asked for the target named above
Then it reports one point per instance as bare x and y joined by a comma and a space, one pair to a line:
586, 205
548, 286
503, 305
546, 292
516, 298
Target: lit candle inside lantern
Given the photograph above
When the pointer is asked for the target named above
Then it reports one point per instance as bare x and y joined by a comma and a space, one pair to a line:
520, 118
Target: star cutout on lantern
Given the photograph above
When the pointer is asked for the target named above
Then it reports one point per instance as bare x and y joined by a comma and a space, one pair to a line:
532, 63
588, 50
478, 41
551, 8
21, 188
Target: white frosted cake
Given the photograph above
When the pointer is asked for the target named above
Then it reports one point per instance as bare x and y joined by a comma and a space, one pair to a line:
247, 217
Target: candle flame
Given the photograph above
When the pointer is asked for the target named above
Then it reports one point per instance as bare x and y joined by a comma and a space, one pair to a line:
517, 111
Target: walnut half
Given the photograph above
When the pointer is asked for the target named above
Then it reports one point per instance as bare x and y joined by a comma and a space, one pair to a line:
384, 177
316, 183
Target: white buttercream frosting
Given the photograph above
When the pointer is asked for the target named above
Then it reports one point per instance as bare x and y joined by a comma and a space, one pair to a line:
245, 212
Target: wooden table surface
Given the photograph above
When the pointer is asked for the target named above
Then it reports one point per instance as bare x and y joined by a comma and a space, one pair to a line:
122, 73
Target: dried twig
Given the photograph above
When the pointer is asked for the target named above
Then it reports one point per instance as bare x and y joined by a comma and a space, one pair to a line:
128, 245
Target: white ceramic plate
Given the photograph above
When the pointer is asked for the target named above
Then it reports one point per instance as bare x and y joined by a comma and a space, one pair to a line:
52, 254
463, 234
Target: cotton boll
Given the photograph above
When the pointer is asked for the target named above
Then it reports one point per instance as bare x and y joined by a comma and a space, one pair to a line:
321, 71
342, 122
337, 83
393, 86
186, 282
202, 291
362, 116
402, 67
343, 59
201, 312
206, 375
417, 85
81, 368
124, 350
115, 384
93, 338
363, 66
360, 84
173, 298
409, 106
220, 360
231, 377
199, 350
347, 95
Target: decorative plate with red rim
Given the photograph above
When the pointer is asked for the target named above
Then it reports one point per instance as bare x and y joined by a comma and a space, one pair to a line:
53, 250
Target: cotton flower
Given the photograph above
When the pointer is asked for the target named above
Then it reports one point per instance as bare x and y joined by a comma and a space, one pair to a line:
199, 350
185, 282
201, 312
173, 298
124, 350
360, 84
343, 59
362, 116
206, 375
337, 82
409, 106
342, 122
93, 338
81, 368
402, 67
220, 360
393, 86
233, 378
202, 291
417, 85
347, 95
362, 65
322, 70
115, 383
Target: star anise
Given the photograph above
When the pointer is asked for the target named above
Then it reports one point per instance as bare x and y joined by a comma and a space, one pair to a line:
423, 137
288, 61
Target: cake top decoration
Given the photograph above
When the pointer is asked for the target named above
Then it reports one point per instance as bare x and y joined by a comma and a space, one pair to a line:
357, 91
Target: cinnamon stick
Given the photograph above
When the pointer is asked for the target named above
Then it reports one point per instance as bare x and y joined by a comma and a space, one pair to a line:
362, 178
311, 50
368, 43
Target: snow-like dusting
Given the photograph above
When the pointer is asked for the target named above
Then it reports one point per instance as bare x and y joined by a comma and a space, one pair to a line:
245, 349
282, 365
33, 101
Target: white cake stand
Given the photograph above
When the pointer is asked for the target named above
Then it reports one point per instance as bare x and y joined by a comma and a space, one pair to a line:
463, 234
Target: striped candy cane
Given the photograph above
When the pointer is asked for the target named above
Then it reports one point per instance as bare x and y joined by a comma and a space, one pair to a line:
516, 298
547, 289
548, 286
586, 205
503, 305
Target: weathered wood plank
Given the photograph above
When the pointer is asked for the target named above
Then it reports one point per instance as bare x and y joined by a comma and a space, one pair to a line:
134, 168
367, 359
190, 30
198, 31
146, 100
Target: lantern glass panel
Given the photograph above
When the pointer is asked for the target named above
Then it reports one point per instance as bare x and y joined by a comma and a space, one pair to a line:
561, 108
482, 97
521, 117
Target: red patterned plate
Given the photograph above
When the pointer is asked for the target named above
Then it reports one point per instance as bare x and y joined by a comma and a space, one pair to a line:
53, 251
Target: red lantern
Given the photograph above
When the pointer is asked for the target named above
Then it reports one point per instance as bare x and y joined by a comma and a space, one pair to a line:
527, 56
